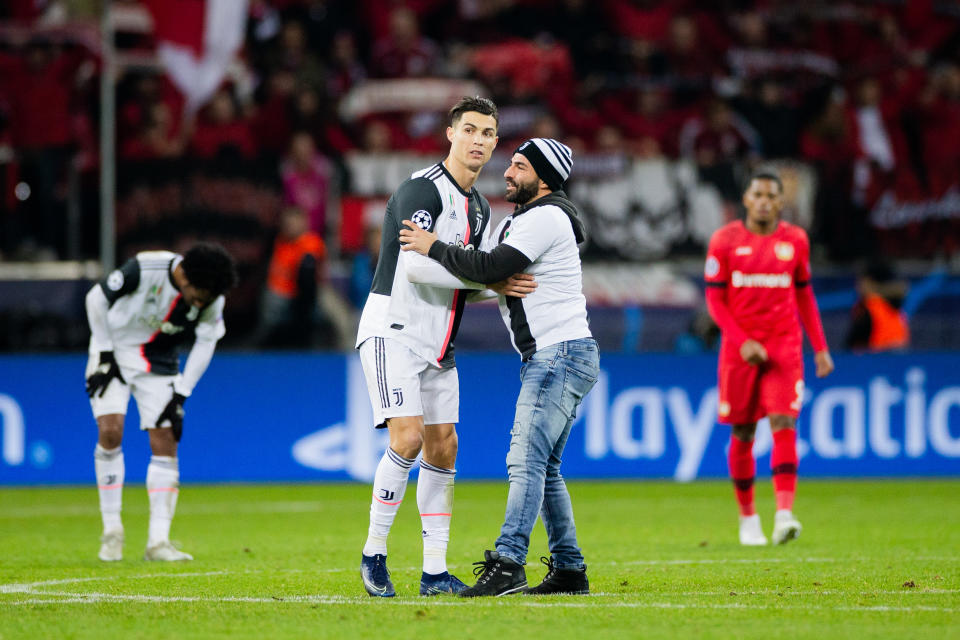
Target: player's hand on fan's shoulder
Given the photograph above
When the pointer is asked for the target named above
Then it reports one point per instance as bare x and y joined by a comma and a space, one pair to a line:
519, 285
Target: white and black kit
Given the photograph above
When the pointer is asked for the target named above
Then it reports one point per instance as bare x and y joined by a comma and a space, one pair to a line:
138, 313
410, 320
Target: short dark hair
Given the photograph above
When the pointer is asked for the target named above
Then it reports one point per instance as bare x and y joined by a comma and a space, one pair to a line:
208, 266
475, 103
764, 174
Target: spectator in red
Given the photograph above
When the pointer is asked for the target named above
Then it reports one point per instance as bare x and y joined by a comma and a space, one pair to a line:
716, 141
830, 144
580, 115
307, 179
40, 84
939, 111
648, 118
777, 122
877, 118
271, 122
379, 136
404, 53
147, 89
647, 19
9, 222
346, 69
584, 27
157, 137
292, 53
315, 113
687, 57
533, 68
221, 130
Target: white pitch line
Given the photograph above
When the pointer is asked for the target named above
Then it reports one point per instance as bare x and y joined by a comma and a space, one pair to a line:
92, 598
723, 561
772, 560
31, 587
77, 510
37, 596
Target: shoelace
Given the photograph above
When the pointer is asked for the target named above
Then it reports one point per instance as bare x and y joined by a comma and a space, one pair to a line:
550, 568
485, 569
380, 571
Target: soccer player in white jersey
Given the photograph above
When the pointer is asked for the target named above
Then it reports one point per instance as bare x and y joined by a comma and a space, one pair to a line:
141, 315
560, 361
405, 339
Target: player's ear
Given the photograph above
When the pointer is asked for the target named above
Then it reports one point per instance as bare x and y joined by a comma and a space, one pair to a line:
450, 134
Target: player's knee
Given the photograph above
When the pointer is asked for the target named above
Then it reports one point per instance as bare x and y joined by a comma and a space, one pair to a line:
162, 442
407, 443
441, 450
111, 439
110, 431
744, 432
779, 422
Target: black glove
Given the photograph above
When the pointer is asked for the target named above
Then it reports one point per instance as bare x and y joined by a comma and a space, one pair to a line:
106, 371
174, 413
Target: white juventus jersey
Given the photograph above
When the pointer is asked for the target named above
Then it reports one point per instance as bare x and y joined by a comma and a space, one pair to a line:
424, 317
557, 310
146, 321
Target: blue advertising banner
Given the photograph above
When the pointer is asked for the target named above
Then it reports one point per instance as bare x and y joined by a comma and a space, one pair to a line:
306, 417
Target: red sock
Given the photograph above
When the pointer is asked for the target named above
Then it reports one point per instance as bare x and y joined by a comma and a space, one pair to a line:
743, 468
783, 466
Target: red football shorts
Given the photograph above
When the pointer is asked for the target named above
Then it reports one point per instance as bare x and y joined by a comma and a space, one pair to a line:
750, 392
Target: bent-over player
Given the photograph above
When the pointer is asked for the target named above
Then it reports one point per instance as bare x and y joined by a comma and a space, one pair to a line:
140, 316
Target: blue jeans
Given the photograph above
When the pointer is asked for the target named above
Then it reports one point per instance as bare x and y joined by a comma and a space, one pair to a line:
553, 382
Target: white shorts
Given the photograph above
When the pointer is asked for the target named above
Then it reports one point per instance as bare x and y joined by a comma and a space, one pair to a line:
401, 383
152, 393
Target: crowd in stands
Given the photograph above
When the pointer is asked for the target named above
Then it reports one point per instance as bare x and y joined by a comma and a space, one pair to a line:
867, 93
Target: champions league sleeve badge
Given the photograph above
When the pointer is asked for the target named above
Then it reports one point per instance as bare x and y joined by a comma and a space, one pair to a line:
115, 280
422, 219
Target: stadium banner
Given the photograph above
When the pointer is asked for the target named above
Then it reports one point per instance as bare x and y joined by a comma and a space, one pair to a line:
306, 417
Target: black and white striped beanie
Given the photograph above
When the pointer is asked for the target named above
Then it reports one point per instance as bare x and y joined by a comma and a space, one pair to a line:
552, 160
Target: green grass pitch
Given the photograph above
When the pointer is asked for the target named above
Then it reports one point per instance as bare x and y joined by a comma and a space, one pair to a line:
876, 559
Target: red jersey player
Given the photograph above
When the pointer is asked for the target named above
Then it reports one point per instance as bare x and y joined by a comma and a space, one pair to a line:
758, 283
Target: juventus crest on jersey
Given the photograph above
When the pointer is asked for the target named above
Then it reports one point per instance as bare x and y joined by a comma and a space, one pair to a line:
148, 320
423, 317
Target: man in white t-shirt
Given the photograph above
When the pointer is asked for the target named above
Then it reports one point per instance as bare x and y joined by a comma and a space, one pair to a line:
549, 329
141, 316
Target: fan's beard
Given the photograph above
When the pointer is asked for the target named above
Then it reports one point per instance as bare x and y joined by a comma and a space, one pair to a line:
523, 193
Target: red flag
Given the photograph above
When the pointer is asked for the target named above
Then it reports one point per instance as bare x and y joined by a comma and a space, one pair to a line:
196, 41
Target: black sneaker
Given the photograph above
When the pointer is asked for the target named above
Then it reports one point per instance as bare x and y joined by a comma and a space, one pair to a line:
376, 577
557, 580
498, 576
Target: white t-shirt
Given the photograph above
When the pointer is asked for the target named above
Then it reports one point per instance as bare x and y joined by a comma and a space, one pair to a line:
557, 310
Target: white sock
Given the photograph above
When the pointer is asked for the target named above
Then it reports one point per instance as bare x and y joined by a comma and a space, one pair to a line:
435, 499
389, 484
108, 465
163, 487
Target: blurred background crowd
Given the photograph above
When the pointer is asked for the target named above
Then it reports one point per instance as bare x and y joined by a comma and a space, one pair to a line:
329, 104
